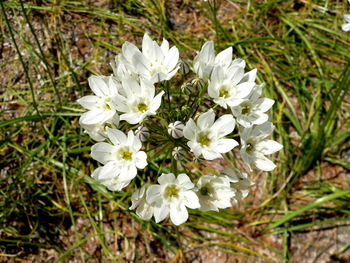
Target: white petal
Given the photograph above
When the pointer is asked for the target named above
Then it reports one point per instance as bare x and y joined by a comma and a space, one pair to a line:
269, 147
189, 130
141, 160
192, 200
345, 27
89, 102
96, 116
224, 125
166, 179
264, 164
206, 119
160, 212
226, 145
117, 137
179, 214
153, 193
99, 87
103, 152
264, 104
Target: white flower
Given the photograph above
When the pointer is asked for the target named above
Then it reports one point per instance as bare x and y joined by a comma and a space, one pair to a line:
214, 193
229, 88
113, 184
176, 129
120, 159
138, 198
205, 60
101, 107
239, 181
251, 110
346, 27
155, 63
98, 131
123, 67
178, 153
255, 146
205, 137
139, 101
172, 195
142, 133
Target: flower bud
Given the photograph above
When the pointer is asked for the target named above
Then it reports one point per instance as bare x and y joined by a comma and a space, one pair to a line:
176, 129
184, 67
142, 133
187, 88
178, 153
198, 83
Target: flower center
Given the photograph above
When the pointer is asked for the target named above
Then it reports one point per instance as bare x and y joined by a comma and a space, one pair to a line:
224, 92
172, 191
246, 108
127, 155
205, 141
204, 190
142, 107
250, 147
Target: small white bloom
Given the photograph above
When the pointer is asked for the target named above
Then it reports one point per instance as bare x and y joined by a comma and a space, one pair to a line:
176, 129
239, 180
101, 107
178, 153
142, 133
346, 27
206, 60
155, 63
205, 137
138, 198
255, 146
120, 159
113, 184
98, 131
251, 110
139, 101
229, 88
214, 193
172, 195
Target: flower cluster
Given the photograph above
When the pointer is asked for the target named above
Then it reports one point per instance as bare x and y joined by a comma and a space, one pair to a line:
138, 115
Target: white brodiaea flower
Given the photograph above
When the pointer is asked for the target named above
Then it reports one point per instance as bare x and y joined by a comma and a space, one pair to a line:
120, 159
139, 101
229, 88
239, 181
251, 110
255, 146
214, 193
205, 137
98, 131
176, 129
113, 184
155, 63
346, 27
101, 107
172, 195
138, 198
206, 60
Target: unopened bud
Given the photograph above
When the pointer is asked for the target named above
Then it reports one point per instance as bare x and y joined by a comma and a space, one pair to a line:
187, 88
184, 67
178, 153
142, 133
198, 83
